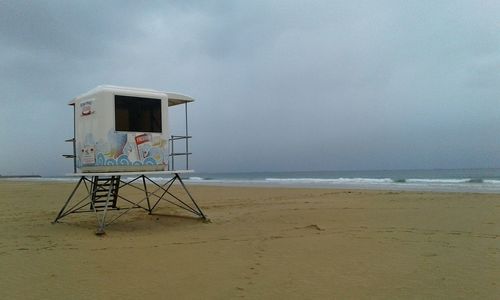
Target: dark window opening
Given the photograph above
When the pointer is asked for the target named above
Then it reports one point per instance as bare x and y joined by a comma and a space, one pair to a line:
137, 114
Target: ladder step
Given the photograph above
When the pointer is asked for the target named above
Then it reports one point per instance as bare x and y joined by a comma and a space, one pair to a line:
101, 208
102, 199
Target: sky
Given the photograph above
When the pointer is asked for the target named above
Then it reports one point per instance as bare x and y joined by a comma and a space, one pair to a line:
279, 85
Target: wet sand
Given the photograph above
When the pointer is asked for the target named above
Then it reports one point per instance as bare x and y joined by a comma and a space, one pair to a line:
262, 243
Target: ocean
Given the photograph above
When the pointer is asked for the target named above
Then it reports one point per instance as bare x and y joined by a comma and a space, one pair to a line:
456, 180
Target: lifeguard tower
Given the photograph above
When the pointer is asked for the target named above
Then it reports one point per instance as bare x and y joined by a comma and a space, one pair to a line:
121, 140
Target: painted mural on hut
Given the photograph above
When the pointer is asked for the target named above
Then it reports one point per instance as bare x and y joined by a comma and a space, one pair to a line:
123, 149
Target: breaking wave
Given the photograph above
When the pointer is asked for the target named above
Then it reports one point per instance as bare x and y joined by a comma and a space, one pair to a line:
382, 180
331, 180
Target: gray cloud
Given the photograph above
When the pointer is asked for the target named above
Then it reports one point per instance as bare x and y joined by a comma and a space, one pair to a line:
282, 85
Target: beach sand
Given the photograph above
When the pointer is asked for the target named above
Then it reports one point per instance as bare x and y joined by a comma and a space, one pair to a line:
262, 243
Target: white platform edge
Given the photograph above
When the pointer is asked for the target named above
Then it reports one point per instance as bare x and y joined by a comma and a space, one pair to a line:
130, 173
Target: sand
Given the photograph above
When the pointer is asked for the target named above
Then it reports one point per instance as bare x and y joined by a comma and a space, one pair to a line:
262, 243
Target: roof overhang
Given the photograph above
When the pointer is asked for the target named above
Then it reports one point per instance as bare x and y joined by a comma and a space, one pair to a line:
173, 98
176, 99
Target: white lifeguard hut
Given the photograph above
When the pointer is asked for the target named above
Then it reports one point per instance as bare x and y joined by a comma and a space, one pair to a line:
123, 131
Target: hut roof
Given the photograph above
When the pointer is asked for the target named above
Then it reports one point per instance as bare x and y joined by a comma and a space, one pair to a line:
173, 98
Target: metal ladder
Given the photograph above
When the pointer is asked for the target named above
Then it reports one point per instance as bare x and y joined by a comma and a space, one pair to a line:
104, 192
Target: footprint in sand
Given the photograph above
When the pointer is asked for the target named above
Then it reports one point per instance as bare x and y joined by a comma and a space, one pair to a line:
429, 254
312, 227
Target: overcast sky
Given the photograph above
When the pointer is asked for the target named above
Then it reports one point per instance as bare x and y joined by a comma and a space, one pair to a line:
279, 85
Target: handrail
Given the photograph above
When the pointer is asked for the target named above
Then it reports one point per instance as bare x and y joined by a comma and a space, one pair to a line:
173, 154
73, 156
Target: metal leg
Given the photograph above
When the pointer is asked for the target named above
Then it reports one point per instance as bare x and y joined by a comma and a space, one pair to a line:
191, 197
146, 192
67, 201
